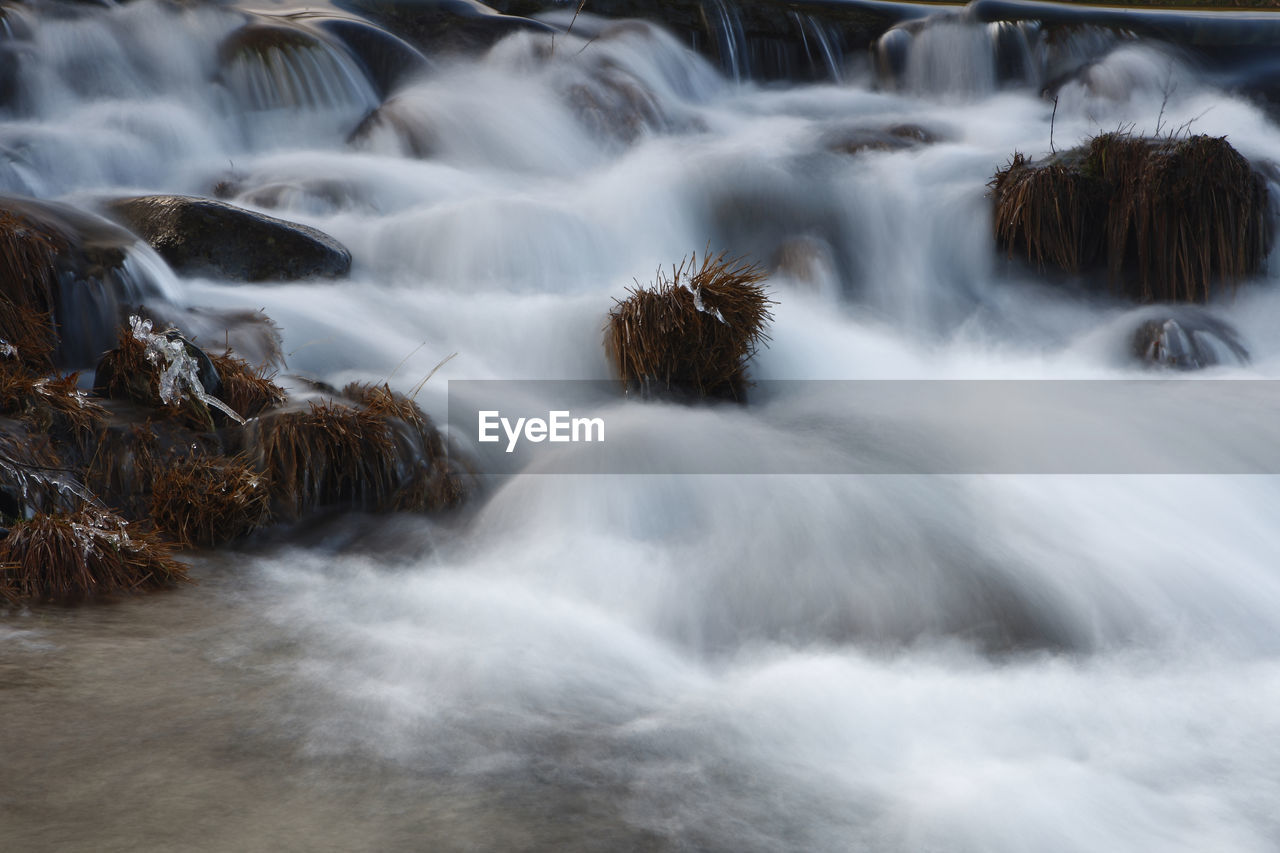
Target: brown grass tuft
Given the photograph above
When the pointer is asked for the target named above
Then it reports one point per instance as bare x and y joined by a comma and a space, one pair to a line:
70, 557
209, 501
130, 456
660, 340
245, 388
424, 478
33, 477
326, 455
1168, 218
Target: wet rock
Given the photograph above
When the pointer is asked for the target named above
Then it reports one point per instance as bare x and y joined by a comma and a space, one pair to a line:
894, 138
1188, 340
200, 236
251, 334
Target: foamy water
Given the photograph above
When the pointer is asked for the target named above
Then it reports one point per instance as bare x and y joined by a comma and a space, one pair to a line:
736, 663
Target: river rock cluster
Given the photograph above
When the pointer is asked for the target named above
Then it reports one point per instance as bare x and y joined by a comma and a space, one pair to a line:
171, 445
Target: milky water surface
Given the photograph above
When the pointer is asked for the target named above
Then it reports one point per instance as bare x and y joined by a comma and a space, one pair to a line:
737, 663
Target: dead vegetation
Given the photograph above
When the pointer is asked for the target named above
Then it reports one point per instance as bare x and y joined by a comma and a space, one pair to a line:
164, 372
693, 332
425, 477
244, 388
165, 466
208, 501
28, 268
381, 454
1169, 219
84, 554
325, 455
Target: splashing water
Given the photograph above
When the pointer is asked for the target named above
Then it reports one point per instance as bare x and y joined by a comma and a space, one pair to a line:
737, 663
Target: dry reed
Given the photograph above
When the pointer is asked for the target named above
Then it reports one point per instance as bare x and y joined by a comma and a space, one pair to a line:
87, 553
693, 332
1168, 218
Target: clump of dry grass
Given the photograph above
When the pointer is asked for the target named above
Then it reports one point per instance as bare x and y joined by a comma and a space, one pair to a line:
424, 476
51, 404
208, 501
693, 332
87, 553
325, 455
381, 454
131, 455
245, 388
1167, 217
28, 270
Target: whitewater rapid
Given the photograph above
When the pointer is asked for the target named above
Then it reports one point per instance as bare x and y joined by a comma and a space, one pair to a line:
630, 661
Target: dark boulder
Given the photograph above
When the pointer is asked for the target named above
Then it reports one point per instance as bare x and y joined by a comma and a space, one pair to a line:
200, 236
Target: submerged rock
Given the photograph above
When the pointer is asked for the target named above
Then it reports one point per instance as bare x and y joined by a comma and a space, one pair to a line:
898, 137
202, 236
1169, 219
399, 125
1188, 340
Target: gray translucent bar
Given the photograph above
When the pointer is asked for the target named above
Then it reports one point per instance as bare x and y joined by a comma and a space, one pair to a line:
1147, 426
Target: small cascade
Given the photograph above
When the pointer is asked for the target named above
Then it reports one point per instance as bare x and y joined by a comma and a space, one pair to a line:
269, 67
957, 54
724, 23
821, 44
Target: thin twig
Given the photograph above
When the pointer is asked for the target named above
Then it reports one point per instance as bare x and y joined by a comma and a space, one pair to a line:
1052, 120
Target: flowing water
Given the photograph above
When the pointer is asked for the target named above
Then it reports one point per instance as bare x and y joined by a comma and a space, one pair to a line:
666, 662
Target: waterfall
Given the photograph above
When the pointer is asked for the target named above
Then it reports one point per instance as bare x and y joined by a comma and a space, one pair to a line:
621, 657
